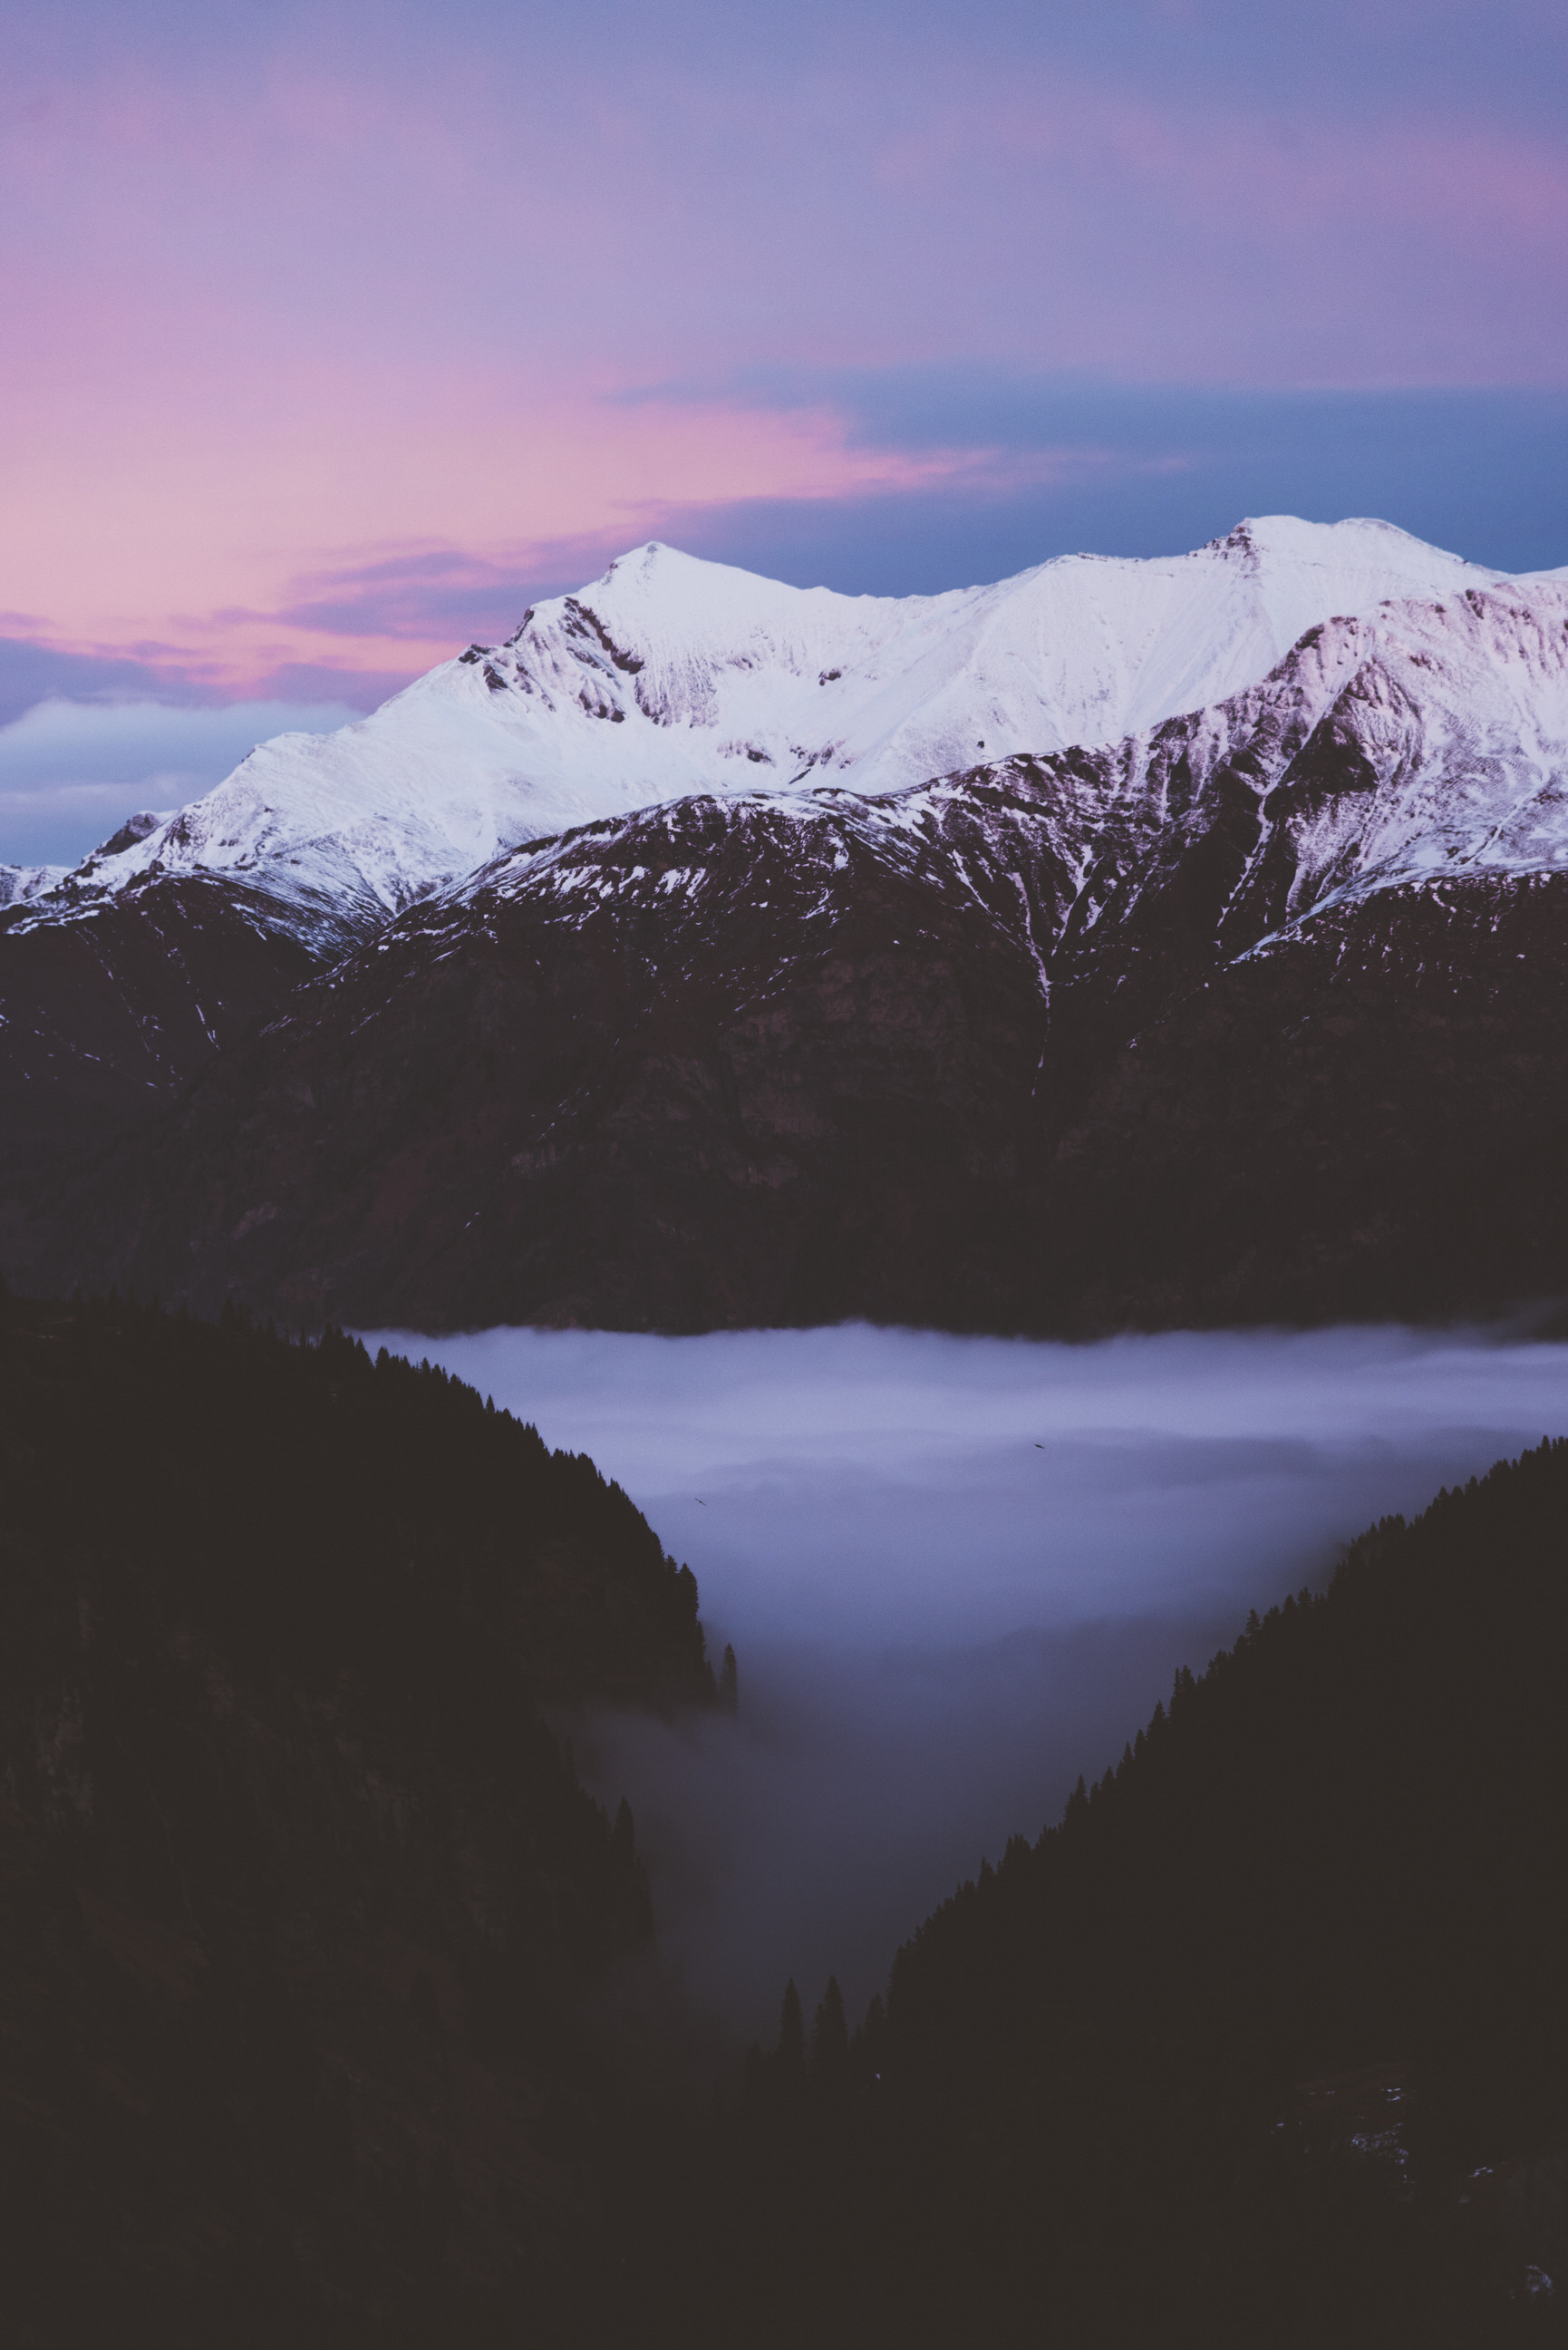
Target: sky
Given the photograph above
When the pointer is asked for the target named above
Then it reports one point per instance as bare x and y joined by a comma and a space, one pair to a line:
958, 1571
336, 333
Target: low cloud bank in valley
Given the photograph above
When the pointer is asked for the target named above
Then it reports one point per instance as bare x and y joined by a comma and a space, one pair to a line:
958, 1571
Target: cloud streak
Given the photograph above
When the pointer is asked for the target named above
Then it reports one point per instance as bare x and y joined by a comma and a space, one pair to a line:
1042, 464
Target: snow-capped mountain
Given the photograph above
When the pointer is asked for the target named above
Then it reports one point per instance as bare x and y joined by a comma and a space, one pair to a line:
1129, 941
936, 1053
670, 676
21, 883
1430, 739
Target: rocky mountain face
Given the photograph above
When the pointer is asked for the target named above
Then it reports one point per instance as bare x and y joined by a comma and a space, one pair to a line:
670, 676
667, 678
19, 882
1255, 1012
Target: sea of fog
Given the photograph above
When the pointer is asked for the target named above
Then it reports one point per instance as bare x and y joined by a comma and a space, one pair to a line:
958, 1571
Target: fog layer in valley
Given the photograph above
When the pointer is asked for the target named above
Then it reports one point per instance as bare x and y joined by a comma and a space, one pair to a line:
957, 1572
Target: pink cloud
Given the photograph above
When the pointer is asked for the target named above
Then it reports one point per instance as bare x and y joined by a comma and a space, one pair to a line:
264, 325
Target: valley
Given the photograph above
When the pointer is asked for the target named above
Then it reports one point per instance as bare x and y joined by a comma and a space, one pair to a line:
337, 2007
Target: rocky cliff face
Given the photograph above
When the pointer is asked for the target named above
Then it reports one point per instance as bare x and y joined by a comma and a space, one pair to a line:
1362, 1118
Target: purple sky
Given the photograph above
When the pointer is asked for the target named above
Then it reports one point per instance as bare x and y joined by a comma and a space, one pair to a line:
334, 332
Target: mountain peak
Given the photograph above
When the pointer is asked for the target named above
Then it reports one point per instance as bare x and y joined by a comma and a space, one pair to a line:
672, 674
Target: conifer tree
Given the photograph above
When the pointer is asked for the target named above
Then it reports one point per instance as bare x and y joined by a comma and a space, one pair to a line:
728, 1691
830, 2038
792, 2032
871, 2038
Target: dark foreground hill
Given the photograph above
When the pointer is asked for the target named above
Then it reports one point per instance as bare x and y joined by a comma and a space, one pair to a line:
1265, 2044
306, 1923
302, 1898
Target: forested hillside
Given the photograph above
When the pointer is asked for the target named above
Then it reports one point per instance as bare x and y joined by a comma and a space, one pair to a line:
303, 2031
302, 1896
1266, 2042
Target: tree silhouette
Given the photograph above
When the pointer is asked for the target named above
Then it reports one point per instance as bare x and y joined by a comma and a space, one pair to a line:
625, 1833
792, 2032
283, 1636
1131, 2084
830, 2039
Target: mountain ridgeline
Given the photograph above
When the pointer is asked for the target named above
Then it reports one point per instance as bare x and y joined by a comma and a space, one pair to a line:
306, 1907
1254, 1011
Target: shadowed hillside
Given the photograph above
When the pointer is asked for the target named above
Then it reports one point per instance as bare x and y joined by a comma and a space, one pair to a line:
302, 1896
1265, 2042
306, 2025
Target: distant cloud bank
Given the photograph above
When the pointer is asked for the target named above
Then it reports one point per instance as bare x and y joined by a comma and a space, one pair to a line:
960, 1571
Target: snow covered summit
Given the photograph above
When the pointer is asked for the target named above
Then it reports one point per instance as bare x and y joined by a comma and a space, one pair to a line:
670, 675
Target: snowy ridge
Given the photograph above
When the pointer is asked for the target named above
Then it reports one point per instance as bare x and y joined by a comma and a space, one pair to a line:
1427, 741
1459, 714
20, 883
670, 676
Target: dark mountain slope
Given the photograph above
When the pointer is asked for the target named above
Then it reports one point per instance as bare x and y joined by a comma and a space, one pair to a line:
302, 1899
1159, 1031
107, 1010
1368, 1115
1266, 2041
729, 1061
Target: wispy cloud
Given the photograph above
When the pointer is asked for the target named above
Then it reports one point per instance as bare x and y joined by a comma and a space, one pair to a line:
951, 474
1022, 464
414, 593
31, 671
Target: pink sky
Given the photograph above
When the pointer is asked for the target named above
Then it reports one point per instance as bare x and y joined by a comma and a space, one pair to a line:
276, 314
